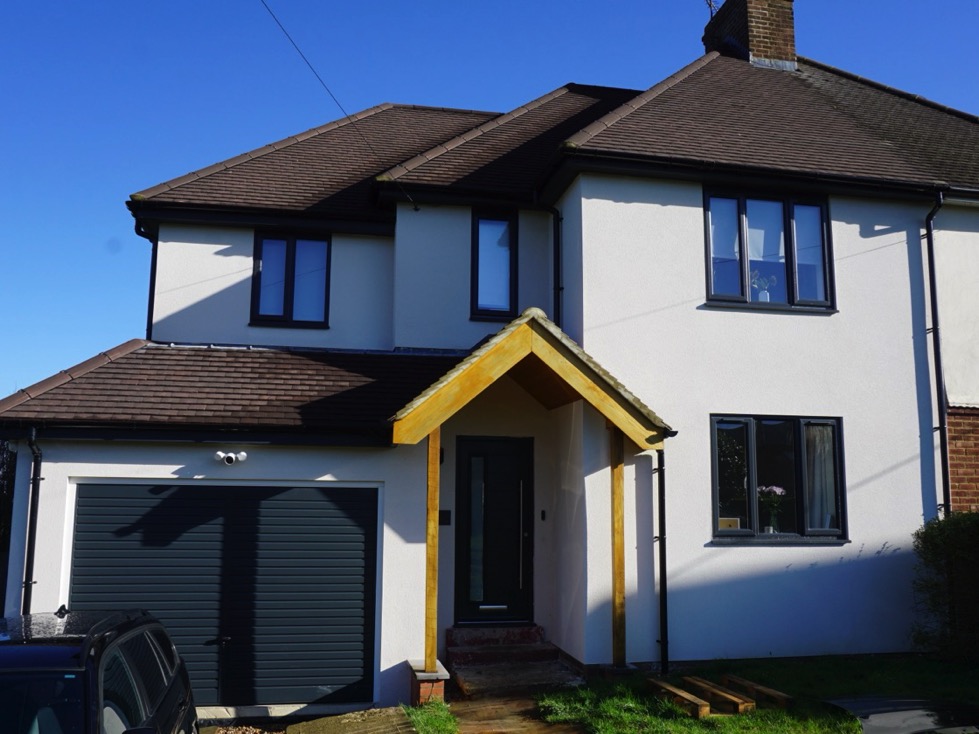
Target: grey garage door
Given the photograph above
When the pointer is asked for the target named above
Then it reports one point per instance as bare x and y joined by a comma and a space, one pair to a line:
268, 591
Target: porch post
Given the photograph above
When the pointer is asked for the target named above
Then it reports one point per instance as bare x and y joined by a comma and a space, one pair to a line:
432, 551
616, 458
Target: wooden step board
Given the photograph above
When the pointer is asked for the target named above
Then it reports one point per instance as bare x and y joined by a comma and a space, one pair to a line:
696, 707
721, 699
756, 691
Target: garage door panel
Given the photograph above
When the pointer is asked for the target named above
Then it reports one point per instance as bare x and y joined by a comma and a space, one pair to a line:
268, 591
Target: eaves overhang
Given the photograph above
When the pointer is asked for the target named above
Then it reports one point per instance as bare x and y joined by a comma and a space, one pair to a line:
149, 215
576, 162
549, 365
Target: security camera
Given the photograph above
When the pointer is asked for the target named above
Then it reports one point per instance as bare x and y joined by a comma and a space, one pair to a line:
230, 458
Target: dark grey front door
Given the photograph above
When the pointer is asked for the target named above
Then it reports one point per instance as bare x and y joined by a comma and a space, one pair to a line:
494, 530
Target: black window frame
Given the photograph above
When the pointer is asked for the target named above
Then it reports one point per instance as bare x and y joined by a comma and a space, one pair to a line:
286, 319
755, 534
484, 314
794, 302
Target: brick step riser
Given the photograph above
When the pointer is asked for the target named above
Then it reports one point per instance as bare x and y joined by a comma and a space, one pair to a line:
492, 654
481, 636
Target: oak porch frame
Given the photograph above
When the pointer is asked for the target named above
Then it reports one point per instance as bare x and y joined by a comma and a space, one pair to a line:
556, 371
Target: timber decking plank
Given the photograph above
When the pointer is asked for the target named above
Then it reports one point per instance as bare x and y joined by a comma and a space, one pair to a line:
696, 707
719, 696
782, 700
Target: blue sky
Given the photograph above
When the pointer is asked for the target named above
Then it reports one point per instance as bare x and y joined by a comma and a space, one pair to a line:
101, 99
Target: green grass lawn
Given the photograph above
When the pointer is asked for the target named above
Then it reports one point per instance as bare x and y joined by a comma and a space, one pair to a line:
626, 705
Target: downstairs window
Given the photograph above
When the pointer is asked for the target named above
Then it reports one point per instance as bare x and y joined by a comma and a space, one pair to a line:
777, 477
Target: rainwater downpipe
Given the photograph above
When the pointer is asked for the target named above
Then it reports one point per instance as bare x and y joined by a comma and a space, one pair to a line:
941, 397
664, 627
556, 220
31, 521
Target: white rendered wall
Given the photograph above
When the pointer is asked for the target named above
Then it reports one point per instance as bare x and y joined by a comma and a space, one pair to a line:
204, 282
399, 475
957, 267
432, 275
867, 364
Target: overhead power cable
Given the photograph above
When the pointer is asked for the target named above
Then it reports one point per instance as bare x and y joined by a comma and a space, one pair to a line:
333, 96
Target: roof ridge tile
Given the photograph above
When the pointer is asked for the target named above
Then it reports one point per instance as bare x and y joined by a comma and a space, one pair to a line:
395, 172
916, 98
606, 121
263, 150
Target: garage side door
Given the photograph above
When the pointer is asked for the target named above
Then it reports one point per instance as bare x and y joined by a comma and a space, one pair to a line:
267, 591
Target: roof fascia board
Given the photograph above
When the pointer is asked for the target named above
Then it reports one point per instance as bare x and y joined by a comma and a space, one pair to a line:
151, 215
379, 438
708, 172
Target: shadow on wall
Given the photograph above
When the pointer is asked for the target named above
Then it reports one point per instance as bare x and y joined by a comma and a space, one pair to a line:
819, 602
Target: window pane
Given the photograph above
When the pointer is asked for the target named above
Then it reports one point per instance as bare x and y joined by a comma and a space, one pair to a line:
271, 300
309, 299
733, 511
821, 477
725, 255
493, 285
766, 251
776, 474
810, 255
146, 666
120, 701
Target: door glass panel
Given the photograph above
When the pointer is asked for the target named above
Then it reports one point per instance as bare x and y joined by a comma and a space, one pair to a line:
476, 484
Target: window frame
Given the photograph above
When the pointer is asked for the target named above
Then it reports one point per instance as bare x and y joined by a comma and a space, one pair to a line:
486, 314
755, 535
286, 319
788, 203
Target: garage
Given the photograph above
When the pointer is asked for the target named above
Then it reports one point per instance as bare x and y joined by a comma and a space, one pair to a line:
269, 592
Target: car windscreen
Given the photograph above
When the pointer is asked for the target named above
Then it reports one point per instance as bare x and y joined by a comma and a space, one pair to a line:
41, 702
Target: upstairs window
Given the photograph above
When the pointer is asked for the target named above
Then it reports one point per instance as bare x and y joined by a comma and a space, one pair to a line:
777, 477
768, 253
493, 286
291, 281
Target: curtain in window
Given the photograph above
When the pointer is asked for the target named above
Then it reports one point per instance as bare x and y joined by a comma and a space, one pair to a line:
821, 476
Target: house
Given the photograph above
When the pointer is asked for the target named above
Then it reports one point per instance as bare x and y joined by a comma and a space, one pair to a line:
659, 371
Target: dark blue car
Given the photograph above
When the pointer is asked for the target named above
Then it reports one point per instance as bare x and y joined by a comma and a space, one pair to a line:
92, 673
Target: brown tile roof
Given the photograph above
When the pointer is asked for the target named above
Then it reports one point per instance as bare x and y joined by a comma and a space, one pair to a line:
325, 171
718, 113
510, 154
725, 112
143, 385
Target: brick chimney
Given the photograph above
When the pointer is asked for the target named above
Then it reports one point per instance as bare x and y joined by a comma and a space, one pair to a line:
761, 31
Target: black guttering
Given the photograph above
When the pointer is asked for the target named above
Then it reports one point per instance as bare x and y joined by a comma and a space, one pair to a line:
941, 398
664, 626
31, 522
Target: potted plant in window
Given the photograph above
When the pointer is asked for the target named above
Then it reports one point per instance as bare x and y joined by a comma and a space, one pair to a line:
770, 500
762, 285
